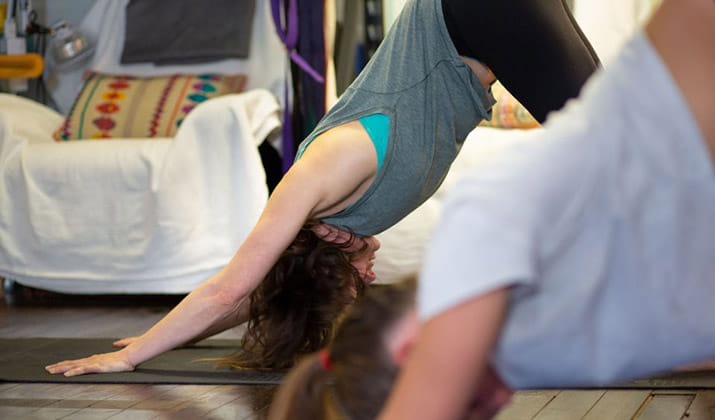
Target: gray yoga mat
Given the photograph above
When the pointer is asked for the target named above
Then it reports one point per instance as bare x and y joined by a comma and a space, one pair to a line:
24, 359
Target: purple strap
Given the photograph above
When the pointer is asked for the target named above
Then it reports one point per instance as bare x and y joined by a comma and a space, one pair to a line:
289, 36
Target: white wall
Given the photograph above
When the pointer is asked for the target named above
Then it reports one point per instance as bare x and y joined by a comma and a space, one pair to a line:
51, 11
391, 8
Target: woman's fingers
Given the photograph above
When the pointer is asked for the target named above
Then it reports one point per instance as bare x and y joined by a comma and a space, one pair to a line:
67, 366
124, 341
63, 366
98, 363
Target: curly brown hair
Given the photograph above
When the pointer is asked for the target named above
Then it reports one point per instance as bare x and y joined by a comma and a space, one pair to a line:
294, 309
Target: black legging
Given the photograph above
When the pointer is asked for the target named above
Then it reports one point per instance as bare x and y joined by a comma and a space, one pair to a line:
534, 47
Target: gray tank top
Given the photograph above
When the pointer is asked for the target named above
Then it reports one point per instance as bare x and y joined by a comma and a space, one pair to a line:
433, 100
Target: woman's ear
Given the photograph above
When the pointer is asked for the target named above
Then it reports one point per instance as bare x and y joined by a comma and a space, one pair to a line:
402, 336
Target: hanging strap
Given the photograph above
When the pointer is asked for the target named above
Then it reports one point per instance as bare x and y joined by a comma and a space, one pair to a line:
288, 34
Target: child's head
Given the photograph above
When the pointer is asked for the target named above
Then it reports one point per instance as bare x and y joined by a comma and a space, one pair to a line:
357, 370
294, 309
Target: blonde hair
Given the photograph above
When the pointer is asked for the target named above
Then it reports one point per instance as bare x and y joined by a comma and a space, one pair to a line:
361, 371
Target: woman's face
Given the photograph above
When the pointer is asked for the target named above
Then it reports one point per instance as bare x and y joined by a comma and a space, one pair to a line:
364, 260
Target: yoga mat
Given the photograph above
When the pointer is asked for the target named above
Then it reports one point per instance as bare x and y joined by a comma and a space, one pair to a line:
24, 359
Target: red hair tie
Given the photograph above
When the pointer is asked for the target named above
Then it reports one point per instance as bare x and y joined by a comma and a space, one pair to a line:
324, 358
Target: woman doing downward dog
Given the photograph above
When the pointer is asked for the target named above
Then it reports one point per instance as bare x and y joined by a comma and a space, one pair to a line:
382, 150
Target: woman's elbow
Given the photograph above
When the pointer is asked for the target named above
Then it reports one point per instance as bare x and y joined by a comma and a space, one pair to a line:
224, 294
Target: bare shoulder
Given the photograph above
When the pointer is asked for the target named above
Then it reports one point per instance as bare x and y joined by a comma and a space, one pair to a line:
347, 144
341, 162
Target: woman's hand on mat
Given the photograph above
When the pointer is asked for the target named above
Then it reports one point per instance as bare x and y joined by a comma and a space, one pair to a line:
99, 363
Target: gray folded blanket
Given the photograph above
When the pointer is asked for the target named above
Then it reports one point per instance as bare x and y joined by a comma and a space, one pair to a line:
167, 32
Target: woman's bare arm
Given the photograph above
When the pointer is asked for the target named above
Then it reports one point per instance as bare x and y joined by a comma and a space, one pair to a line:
683, 33
338, 165
229, 321
453, 351
213, 302
455, 356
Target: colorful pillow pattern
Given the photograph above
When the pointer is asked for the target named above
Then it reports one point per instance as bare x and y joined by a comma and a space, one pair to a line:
111, 106
508, 112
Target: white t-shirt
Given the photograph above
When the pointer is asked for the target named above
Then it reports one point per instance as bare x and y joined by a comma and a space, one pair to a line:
604, 224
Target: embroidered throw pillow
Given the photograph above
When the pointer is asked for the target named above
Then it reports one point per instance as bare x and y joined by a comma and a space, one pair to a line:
508, 112
111, 106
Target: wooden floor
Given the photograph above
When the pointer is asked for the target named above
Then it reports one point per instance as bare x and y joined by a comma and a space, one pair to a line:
45, 318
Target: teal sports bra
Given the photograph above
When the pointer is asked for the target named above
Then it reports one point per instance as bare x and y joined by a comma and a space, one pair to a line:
377, 127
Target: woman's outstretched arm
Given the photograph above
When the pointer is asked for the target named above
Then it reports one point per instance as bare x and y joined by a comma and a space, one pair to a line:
325, 179
217, 300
